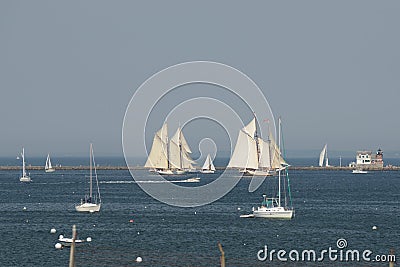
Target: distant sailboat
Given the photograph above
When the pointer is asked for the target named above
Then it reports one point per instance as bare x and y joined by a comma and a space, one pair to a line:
208, 166
255, 156
90, 203
48, 167
25, 177
323, 156
167, 156
272, 207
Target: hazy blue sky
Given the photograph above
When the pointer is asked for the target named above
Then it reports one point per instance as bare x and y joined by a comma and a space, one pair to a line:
69, 68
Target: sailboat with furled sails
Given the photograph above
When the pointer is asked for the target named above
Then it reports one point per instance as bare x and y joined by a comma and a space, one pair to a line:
272, 207
168, 157
92, 202
255, 156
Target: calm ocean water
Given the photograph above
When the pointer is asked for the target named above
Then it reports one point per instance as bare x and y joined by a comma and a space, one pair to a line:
329, 205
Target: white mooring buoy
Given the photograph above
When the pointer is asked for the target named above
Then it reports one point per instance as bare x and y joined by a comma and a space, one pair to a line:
53, 231
139, 259
58, 246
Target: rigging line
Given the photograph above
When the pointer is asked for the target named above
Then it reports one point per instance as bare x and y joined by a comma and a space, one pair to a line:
95, 173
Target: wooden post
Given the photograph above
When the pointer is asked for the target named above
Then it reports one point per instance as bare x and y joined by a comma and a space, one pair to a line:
222, 254
72, 252
391, 263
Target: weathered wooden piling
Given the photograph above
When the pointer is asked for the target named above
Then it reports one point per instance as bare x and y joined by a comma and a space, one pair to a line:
72, 251
222, 255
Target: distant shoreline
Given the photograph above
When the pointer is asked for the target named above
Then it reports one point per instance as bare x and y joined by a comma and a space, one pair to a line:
308, 168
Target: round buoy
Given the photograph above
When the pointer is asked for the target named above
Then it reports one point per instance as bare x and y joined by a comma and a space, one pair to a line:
24, 208
53, 231
89, 239
195, 213
58, 246
138, 233
131, 220
238, 208
139, 259
374, 227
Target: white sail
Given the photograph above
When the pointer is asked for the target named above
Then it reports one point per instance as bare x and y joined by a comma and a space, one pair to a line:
158, 157
277, 160
179, 152
322, 156
245, 153
265, 157
208, 164
48, 163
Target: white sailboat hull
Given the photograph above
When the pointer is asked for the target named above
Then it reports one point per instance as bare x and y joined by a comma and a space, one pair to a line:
49, 170
273, 213
256, 173
25, 179
180, 172
88, 207
165, 172
359, 171
207, 171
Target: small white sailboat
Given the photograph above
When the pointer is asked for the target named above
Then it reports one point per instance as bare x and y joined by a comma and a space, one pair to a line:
272, 208
323, 156
91, 203
208, 166
25, 177
48, 167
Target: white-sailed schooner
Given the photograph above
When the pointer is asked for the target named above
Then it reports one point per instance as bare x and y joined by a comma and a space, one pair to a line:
208, 166
48, 167
91, 202
323, 156
167, 156
255, 156
272, 207
24, 177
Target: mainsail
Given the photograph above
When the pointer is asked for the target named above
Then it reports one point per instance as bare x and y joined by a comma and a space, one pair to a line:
179, 152
245, 154
277, 160
158, 157
48, 163
322, 156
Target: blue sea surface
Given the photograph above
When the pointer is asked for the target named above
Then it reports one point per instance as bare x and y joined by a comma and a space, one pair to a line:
329, 205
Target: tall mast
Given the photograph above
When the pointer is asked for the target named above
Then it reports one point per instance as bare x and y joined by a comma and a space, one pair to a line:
23, 162
257, 145
279, 172
167, 145
180, 148
90, 188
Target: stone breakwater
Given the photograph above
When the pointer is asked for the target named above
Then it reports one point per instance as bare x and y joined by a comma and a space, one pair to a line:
305, 168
